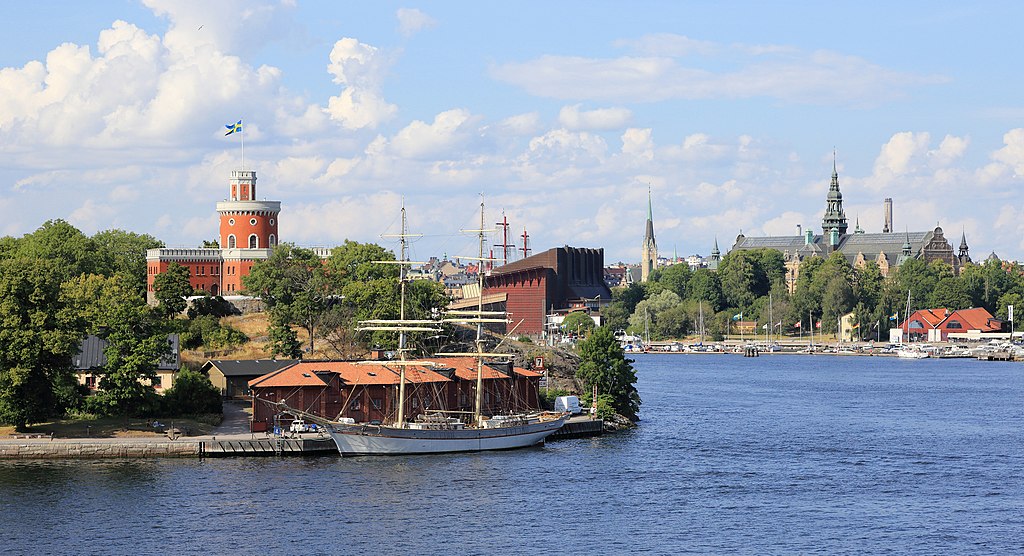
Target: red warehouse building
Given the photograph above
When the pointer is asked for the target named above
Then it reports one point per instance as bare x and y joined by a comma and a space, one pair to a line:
556, 280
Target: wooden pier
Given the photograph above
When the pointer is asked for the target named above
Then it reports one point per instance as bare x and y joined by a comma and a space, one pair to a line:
579, 427
270, 446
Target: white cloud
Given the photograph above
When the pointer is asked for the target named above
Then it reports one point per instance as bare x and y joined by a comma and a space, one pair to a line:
574, 119
1012, 153
449, 130
724, 71
521, 124
361, 69
412, 21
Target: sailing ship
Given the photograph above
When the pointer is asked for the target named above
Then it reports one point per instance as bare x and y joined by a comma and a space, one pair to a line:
441, 431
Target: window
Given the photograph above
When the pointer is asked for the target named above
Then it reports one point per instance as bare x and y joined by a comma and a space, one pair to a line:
231, 222
354, 406
254, 242
955, 325
916, 324
90, 382
252, 221
271, 221
231, 241
273, 241
377, 403
158, 382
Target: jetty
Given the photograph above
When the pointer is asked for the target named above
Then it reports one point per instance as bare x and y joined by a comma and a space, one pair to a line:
235, 445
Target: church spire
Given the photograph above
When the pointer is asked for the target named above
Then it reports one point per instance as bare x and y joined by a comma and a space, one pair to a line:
649, 250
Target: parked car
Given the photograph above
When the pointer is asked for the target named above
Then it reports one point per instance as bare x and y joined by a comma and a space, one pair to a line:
299, 425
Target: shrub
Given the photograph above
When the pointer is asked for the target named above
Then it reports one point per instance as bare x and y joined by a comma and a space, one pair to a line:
213, 306
192, 394
525, 339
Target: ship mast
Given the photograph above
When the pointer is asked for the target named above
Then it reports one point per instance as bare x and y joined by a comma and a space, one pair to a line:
401, 325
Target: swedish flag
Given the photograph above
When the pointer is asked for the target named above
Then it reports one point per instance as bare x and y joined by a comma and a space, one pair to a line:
232, 128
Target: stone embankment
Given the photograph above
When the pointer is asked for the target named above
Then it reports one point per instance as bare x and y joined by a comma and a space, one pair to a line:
95, 449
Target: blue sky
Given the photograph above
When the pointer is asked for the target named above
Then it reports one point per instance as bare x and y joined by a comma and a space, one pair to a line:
561, 113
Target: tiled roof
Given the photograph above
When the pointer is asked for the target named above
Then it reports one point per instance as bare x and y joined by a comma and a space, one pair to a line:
296, 375
977, 318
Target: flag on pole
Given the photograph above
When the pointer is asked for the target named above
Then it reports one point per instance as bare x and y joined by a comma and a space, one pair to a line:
818, 324
894, 316
779, 324
764, 326
856, 326
737, 316
797, 325
232, 128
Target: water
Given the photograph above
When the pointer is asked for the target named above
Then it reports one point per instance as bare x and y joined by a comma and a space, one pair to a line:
768, 455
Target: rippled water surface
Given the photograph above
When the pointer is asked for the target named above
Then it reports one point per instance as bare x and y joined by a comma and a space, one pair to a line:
776, 454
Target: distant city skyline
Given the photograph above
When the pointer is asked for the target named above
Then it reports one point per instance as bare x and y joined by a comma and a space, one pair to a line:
563, 115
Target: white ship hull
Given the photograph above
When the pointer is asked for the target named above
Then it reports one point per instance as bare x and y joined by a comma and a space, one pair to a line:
912, 354
385, 440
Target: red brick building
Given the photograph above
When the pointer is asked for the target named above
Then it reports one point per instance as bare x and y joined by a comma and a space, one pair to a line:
936, 325
248, 233
556, 280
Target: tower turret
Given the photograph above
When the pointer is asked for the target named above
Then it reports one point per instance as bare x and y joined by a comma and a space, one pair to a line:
244, 221
834, 217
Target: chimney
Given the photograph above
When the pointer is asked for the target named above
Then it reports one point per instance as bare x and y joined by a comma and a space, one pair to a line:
799, 230
887, 226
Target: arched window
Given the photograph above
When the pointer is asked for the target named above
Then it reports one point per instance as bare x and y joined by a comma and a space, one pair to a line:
231, 241
254, 242
272, 241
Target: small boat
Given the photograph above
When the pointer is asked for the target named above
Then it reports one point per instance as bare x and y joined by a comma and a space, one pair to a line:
911, 353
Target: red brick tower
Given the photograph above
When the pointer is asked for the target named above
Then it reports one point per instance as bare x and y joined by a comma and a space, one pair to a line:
246, 223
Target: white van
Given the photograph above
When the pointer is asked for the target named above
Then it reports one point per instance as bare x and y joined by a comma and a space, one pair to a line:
569, 404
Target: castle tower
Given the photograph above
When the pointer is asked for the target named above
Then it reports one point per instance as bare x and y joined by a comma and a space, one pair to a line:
834, 215
649, 250
246, 223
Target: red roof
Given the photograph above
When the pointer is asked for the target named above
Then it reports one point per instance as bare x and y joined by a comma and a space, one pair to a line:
976, 318
931, 317
296, 375
353, 373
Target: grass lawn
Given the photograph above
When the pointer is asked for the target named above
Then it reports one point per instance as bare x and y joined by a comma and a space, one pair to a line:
114, 427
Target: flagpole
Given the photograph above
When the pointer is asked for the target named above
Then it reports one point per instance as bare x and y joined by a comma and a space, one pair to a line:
242, 133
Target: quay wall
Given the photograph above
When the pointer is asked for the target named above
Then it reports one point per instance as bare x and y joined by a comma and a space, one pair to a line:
96, 449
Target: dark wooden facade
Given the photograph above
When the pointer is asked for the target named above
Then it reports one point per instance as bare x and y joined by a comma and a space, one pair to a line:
369, 393
548, 282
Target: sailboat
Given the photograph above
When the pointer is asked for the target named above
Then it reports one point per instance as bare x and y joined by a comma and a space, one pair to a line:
440, 432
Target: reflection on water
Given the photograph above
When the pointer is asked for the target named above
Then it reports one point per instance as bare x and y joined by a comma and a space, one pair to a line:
739, 455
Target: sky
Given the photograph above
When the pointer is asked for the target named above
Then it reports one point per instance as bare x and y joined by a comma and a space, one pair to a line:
561, 116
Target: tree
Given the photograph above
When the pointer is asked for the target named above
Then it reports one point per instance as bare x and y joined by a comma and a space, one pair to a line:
950, 293
675, 278
603, 363
121, 252
192, 394
171, 288
58, 241
704, 286
294, 285
135, 335
648, 312
283, 340
578, 322
39, 334
739, 279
